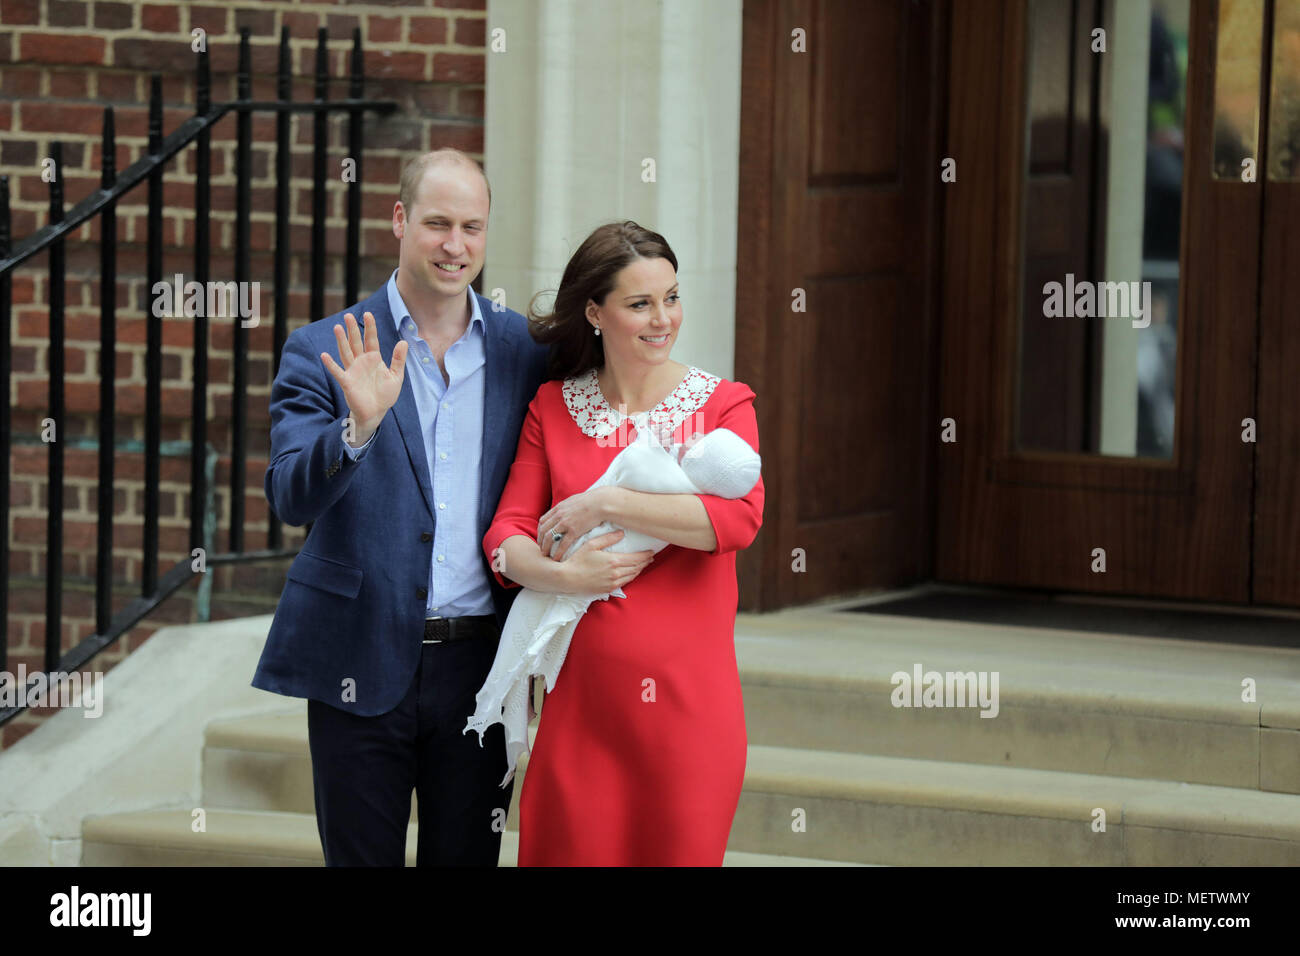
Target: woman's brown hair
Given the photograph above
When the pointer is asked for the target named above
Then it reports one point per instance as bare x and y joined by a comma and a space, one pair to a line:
590, 275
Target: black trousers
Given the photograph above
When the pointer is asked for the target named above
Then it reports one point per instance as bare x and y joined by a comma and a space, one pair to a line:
365, 768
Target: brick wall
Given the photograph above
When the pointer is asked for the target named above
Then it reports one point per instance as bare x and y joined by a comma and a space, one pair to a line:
61, 62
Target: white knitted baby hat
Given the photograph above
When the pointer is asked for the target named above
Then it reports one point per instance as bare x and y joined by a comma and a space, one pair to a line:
722, 463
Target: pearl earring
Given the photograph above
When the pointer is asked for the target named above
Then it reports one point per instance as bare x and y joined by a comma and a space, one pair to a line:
598, 331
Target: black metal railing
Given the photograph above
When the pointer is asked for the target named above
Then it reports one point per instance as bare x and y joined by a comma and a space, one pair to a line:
103, 204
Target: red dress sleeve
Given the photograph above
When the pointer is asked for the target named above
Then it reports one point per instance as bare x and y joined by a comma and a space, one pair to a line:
736, 520
527, 494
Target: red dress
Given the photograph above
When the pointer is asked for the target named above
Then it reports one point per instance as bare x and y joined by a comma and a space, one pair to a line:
640, 750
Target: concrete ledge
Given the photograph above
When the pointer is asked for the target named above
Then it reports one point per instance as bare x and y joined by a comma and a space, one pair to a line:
143, 752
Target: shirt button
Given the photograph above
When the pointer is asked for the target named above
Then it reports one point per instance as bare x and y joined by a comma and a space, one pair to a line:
440, 557
442, 504
442, 455
423, 592
425, 536
425, 360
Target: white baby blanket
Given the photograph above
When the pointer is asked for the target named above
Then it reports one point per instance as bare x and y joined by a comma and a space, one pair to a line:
540, 626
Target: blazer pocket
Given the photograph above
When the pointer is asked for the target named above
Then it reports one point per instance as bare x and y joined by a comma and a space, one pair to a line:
317, 572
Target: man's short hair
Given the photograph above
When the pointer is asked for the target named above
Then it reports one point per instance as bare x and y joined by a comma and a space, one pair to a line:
413, 172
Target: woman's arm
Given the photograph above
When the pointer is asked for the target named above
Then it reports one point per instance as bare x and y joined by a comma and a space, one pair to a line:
513, 555
678, 519
527, 567
591, 570
703, 522
732, 522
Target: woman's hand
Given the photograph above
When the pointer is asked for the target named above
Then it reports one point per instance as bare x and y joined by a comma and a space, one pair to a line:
573, 517
593, 570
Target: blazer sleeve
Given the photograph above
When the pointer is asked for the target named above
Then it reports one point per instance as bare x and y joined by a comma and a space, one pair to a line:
527, 494
309, 469
736, 520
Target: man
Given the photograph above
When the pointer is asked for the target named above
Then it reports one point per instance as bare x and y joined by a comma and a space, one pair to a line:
389, 618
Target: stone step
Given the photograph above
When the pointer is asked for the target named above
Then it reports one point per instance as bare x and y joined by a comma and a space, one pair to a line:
1076, 701
265, 838
264, 763
1079, 702
854, 808
903, 811
883, 809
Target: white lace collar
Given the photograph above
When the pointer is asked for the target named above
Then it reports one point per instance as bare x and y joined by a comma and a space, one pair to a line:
593, 415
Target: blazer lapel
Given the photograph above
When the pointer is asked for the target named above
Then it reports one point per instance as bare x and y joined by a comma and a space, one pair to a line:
499, 382
405, 411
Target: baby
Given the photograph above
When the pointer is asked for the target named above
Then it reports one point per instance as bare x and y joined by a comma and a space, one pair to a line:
540, 626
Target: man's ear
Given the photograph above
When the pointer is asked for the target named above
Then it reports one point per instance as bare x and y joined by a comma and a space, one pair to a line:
399, 219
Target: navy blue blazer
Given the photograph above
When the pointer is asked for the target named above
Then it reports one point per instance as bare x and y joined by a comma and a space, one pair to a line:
352, 609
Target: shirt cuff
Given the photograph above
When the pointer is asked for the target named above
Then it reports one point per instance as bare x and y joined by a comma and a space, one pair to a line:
356, 453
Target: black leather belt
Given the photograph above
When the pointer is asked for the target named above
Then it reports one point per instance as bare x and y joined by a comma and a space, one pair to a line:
441, 630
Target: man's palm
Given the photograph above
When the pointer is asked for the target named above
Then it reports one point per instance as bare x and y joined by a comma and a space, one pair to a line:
370, 387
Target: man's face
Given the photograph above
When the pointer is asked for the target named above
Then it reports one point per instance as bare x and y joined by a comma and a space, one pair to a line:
444, 233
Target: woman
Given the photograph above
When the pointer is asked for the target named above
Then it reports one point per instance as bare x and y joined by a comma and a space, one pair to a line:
640, 753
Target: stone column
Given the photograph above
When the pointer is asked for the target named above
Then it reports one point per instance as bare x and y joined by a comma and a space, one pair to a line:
583, 96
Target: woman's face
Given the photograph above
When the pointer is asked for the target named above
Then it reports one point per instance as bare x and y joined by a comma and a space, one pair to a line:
639, 319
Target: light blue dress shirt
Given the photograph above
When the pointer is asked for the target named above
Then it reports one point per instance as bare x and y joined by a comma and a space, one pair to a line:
451, 423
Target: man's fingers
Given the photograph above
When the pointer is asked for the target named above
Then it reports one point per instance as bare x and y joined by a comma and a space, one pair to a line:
372, 333
332, 367
354, 335
345, 350
399, 358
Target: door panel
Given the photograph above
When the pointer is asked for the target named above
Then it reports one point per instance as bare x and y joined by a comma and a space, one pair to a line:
837, 200
1176, 528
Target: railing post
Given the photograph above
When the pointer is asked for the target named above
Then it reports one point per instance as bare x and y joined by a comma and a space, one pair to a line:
107, 379
320, 132
239, 397
6, 439
54, 480
153, 348
202, 257
355, 91
283, 171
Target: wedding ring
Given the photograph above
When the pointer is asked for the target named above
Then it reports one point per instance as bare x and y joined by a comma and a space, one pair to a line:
557, 535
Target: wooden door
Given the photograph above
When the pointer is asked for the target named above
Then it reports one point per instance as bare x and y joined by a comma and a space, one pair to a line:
1010, 515
835, 292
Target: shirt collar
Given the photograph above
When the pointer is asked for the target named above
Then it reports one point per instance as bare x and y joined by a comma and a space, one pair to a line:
399, 310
